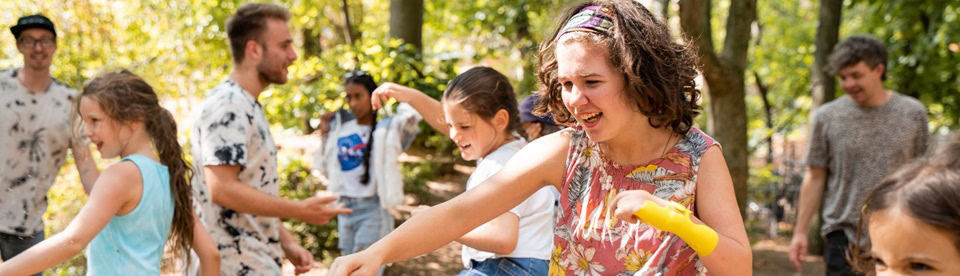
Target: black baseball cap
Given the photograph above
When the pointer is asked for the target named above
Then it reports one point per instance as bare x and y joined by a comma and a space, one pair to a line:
36, 21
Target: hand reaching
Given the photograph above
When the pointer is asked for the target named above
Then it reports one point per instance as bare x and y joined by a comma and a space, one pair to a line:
357, 264
317, 210
390, 90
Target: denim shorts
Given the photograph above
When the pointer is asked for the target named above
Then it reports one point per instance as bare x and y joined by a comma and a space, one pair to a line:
367, 224
507, 266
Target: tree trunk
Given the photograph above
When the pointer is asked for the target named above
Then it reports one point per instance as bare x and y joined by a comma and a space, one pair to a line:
823, 87
406, 21
528, 51
767, 116
348, 33
724, 75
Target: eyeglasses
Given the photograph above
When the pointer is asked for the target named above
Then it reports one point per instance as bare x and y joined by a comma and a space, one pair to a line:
44, 42
355, 74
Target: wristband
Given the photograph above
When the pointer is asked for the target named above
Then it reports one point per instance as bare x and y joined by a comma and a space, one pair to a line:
675, 218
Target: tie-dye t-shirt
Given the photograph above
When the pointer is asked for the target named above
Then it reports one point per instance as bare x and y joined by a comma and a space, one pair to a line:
36, 129
231, 129
588, 240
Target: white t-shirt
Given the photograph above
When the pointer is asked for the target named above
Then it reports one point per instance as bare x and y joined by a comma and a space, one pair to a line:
535, 236
352, 141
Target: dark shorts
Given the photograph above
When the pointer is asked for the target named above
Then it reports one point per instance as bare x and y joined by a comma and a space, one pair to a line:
13, 245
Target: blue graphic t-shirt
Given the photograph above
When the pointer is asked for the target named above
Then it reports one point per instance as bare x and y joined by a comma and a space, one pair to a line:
351, 146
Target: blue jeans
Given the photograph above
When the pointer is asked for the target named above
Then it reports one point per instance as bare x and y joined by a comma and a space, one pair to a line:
507, 266
13, 245
367, 224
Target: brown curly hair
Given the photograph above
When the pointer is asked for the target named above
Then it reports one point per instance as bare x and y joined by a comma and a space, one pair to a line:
659, 72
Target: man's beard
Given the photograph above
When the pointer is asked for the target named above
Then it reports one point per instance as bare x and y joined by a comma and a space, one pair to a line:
268, 75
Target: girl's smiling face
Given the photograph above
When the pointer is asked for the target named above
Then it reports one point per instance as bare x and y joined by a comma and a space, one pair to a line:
593, 91
903, 245
474, 136
110, 136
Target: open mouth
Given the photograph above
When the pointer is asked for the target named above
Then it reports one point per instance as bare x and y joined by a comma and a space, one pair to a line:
465, 147
591, 118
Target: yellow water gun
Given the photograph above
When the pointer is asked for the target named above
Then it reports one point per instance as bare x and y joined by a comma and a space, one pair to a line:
675, 218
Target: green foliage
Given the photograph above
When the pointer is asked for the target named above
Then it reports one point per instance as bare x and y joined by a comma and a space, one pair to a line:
322, 87
64, 201
300, 105
923, 43
506, 31
296, 182
782, 57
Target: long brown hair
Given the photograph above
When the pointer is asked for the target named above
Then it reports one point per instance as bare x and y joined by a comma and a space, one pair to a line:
926, 189
659, 72
125, 97
485, 91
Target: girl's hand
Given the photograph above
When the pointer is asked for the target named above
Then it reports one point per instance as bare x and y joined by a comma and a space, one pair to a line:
358, 264
325, 122
390, 90
627, 203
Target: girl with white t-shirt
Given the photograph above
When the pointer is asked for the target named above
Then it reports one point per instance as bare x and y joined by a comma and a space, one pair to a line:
359, 161
479, 113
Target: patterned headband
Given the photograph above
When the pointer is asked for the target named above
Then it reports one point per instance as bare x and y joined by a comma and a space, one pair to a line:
592, 18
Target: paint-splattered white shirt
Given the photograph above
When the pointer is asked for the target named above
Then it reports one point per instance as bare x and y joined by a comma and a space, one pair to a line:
35, 132
231, 129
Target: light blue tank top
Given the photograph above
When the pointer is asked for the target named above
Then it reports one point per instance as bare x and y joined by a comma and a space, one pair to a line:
132, 244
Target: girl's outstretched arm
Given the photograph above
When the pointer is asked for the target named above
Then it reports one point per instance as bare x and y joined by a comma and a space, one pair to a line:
206, 249
429, 108
438, 225
112, 193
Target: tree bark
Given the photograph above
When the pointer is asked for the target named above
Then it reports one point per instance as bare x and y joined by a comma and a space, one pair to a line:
349, 34
724, 75
767, 116
406, 21
824, 86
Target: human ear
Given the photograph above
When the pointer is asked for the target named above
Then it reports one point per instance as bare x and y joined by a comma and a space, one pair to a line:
501, 120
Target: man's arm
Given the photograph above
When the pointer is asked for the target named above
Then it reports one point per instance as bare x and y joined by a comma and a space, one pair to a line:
86, 167
811, 194
227, 191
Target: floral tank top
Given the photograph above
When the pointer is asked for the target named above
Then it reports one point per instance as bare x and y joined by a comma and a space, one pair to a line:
588, 240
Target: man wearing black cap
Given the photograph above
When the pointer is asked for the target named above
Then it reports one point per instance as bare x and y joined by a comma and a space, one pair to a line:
38, 126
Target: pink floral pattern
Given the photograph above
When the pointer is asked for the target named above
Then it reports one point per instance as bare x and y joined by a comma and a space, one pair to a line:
588, 240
